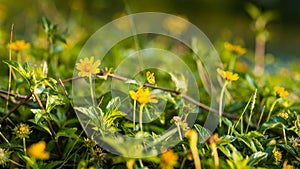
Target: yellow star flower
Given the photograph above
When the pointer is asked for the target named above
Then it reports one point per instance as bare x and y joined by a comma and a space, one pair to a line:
142, 96
150, 77
281, 92
38, 150
18, 45
87, 66
235, 48
227, 75
168, 160
277, 155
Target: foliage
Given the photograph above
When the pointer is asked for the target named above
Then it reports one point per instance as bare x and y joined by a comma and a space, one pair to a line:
261, 129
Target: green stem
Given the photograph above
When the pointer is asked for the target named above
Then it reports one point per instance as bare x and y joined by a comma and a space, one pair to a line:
91, 90
141, 163
271, 109
4, 138
251, 110
284, 135
134, 117
141, 118
24, 146
221, 102
232, 63
182, 163
241, 117
180, 135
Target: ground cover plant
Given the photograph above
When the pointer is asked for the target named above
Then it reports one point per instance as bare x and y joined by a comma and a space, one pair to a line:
259, 126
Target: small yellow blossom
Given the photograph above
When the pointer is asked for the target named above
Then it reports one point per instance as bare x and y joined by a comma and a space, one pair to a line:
18, 45
176, 25
142, 96
235, 48
281, 92
286, 166
38, 150
168, 160
150, 77
277, 155
87, 66
22, 130
227, 75
284, 115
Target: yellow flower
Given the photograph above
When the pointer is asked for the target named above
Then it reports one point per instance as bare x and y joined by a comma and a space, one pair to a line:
168, 160
175, 25
229, 76
286, 166
18, 45
87, 66
38, 150
235, 48
281, 92
142, 96
22, 130
277, 155
150, 77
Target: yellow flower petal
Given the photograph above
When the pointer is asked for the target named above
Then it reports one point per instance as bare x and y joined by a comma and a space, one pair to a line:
87, 66
235, 48
38, 150
18, 45
229, 76
150, 77
281, 92
142, 96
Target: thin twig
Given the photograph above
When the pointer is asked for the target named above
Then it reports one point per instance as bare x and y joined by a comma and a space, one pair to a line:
15, 108
13, 94
111, 75
197, 103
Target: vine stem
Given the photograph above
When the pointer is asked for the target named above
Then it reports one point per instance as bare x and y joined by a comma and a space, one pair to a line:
15, 108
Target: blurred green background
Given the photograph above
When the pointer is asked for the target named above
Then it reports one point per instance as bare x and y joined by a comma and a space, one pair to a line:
218, 19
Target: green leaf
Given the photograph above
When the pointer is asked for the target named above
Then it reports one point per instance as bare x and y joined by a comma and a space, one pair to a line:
113, 104
203, 132
224, 150
38, 115
22, 70
48, 81
253, 11
67, 132
254, 134
290, 149
53, 164
248, 142
53, 101
272, 124
226, 121
256, 158
224, 140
